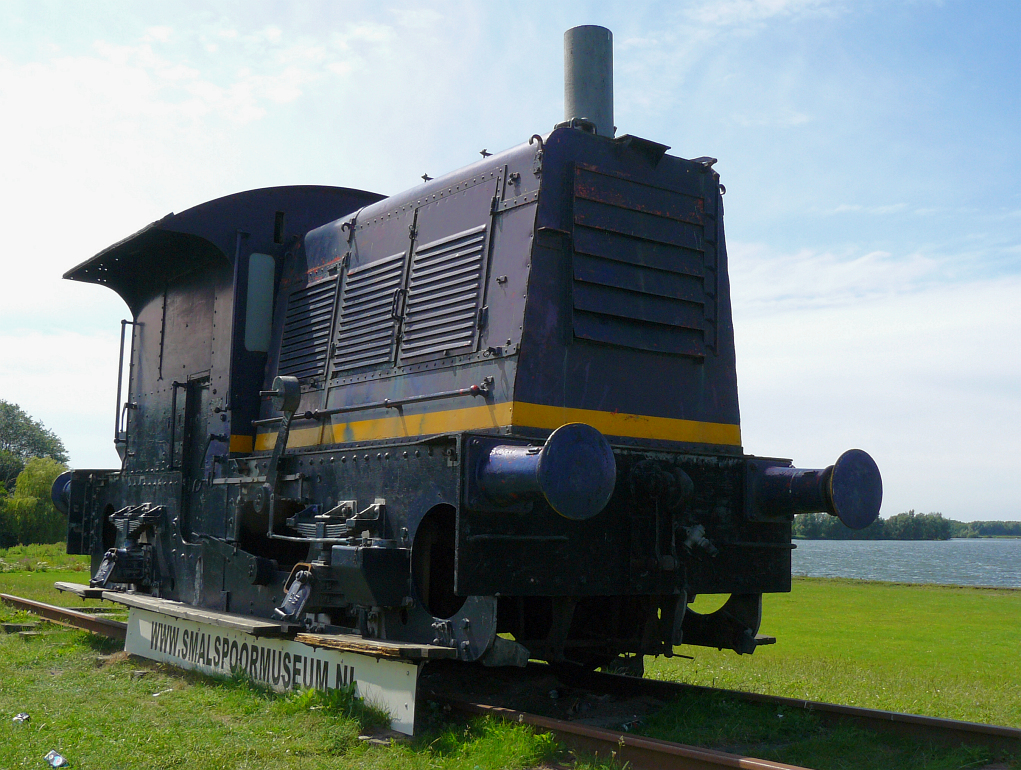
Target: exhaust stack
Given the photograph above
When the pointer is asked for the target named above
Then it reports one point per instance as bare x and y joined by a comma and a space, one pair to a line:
588, 78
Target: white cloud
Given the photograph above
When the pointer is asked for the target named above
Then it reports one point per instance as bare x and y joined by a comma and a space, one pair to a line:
927, 378
766, 281
158, 34
738, 12
67, 380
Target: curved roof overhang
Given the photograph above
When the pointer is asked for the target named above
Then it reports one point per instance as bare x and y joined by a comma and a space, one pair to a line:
140, 266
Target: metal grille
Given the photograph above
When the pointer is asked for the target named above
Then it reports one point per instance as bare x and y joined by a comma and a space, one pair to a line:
306, 335
639, 261
365, 335
443, 295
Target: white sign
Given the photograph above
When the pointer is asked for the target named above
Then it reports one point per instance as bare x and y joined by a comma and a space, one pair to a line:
281, 664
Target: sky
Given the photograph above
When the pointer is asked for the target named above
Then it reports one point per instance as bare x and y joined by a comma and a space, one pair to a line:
871, 153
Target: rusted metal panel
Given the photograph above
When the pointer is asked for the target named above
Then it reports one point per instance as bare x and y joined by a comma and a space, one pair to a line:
687, 259
621, 275
617, 190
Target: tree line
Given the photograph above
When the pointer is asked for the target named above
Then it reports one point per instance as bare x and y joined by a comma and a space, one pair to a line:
903, 526
31, 457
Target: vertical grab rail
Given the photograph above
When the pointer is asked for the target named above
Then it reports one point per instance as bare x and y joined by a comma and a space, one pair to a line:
173, 422
119, 411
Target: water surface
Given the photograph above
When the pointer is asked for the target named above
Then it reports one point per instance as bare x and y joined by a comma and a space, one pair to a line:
970, 561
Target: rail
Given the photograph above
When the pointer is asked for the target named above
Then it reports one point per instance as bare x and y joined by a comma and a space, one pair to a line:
113, 629
636, 751
995, 737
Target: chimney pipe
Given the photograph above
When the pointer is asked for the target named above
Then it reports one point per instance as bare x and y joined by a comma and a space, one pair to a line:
588, 77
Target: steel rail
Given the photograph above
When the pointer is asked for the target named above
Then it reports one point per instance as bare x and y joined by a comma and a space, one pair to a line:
114, 629
635, 750
996, 737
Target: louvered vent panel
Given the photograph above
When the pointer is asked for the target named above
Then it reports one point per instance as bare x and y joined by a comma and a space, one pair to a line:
639, 264
443, 296
365, 336
306, 337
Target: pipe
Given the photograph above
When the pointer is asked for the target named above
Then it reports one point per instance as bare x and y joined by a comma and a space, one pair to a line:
588, 77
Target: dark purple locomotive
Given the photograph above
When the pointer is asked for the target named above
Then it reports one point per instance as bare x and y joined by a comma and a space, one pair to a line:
503, 402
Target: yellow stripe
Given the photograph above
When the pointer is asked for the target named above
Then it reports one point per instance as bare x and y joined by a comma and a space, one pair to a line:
427, 423
628, 425
516, 414
241, 443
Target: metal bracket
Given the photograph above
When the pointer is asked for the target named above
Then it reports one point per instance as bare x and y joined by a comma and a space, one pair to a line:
521, 200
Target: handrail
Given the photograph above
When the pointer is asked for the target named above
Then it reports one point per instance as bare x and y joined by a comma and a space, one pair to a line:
482, 389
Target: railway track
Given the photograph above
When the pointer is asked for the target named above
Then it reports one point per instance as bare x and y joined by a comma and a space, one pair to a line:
994, 737
639, 751
66, 617
644, 752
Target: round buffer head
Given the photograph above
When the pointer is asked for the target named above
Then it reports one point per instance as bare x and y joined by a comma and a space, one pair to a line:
576, 471
856, 489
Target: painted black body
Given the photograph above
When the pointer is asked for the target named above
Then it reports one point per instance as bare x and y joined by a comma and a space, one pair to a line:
418, 347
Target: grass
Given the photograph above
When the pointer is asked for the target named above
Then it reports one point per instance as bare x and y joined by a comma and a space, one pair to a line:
797, 737
102, 709
41, 558
943, 651
940, 651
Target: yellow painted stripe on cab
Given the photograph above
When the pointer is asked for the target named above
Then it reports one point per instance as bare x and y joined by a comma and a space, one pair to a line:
517, 414
241, 443
399, 426
628, 425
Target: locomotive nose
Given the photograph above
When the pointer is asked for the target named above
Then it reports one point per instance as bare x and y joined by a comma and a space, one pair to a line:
574, 471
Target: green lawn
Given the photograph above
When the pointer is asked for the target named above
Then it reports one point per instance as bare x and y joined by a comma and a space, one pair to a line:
103, 710
950, 652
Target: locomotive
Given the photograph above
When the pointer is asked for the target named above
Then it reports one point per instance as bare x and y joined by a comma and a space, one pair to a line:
496, 413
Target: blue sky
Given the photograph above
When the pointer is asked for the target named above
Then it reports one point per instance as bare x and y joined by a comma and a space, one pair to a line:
871, 153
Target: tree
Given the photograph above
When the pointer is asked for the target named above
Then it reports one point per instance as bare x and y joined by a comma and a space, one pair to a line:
10, 466
28, 516
23, 437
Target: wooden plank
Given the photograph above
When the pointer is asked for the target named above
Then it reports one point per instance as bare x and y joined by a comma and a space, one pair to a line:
249, 624
79, 589
377, 647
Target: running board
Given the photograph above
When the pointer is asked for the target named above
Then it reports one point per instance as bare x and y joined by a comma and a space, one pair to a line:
80, 590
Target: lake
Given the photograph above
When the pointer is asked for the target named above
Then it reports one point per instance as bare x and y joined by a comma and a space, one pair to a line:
970, 561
